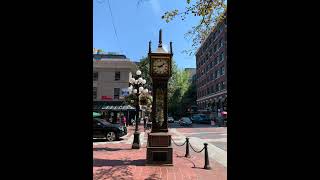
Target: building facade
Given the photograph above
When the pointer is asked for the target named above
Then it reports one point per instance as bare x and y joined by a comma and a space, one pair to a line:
111, 75
211, 70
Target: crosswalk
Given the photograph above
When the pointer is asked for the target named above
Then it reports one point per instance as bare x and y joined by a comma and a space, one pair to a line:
214, 152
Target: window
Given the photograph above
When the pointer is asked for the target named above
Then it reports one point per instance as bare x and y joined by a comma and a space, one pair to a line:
212, 89
216, 61
215, 48
221, 28
94, 92
221, 42
116, 93
222, 70
95, 76
117, 76
222, 85
216, 74
208, 90
219, 86
221, 56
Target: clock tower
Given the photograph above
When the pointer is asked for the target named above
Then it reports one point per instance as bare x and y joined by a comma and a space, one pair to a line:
159, 149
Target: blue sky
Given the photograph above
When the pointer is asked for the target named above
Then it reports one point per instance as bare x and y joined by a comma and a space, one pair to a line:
136, 25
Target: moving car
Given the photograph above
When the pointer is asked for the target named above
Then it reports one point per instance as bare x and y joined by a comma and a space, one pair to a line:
104, 129
185, 121
200, 118
170, 120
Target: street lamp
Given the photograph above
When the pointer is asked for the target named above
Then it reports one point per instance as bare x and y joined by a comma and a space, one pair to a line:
136, 87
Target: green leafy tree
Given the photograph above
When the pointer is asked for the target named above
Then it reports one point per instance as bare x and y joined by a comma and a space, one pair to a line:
181, 85
210, 12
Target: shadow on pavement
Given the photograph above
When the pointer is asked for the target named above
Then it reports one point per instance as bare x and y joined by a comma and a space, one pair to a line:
105, 140
153, 177
106, 162
109, 149
118, 172
180, 156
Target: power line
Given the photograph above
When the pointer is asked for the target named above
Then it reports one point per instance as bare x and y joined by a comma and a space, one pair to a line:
114, 27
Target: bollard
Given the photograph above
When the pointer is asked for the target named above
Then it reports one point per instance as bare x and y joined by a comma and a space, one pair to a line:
187, 148
206, 157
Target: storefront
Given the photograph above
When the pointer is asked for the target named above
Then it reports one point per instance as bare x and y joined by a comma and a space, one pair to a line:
112, 111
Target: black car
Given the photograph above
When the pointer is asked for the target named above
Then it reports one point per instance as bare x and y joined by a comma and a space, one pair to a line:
104, 129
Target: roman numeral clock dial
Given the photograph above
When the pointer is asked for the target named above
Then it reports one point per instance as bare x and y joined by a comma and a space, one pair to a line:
161, 66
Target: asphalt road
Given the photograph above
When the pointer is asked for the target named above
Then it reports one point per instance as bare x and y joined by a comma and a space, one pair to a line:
216, 136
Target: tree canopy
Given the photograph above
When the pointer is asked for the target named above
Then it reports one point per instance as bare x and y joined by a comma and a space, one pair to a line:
210, 12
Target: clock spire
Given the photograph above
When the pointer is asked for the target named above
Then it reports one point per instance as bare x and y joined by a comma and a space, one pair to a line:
160, 38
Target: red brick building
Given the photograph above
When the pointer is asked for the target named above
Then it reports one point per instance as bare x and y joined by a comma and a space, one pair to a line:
211, 70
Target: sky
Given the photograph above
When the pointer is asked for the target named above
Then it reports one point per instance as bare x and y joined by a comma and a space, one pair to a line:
137, 24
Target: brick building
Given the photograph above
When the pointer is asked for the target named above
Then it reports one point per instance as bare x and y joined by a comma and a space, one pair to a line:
211, 70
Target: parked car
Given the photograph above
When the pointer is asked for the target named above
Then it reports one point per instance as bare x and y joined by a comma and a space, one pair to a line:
185, 121
170, 120
104, 129
200, 118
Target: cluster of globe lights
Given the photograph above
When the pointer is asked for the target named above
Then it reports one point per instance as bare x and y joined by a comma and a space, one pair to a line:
140, 81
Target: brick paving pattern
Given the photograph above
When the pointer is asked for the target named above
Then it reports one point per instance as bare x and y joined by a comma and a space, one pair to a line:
119, 161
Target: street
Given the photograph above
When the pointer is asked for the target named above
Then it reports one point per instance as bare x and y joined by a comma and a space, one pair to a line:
216, 137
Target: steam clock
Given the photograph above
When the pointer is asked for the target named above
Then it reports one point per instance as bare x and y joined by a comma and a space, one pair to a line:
159, 149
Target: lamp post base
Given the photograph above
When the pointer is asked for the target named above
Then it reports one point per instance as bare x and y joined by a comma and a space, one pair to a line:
136, 140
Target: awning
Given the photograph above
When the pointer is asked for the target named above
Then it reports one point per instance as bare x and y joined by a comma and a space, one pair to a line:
118, 108
96, 114
224, 113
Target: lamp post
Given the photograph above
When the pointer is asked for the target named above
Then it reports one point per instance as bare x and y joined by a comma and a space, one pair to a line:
136, 87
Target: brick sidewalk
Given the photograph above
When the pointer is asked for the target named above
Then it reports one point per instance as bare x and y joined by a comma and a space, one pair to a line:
119, 161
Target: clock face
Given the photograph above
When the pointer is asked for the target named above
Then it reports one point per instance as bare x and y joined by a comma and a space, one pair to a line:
160, 66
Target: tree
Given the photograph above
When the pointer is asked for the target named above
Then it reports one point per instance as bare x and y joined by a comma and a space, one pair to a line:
210, 13
181, 84
145, 71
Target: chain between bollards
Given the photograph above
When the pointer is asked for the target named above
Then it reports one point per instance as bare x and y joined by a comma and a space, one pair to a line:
178, 144
195, 150
205, 148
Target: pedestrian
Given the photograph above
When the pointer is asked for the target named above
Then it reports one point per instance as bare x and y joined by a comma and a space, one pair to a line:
124, 121
144, 122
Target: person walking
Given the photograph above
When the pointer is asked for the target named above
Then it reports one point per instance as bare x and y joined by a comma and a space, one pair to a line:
124, 120
144, 122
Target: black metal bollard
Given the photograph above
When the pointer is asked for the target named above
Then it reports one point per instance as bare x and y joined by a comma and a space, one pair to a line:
187, 148
206, 157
